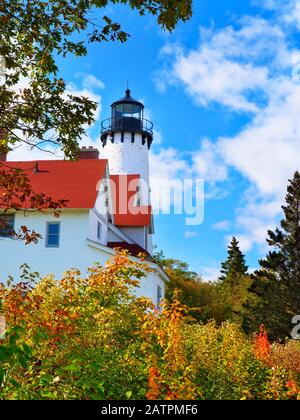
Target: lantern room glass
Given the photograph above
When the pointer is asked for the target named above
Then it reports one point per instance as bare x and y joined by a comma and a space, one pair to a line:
127, 110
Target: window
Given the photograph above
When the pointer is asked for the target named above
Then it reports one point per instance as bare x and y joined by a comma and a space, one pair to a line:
159, 295
118, 111
7, 225
99, 230
128, 110
53, 233
137, 198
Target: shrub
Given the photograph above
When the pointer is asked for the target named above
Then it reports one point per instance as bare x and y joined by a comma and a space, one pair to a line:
74, 338
90, 338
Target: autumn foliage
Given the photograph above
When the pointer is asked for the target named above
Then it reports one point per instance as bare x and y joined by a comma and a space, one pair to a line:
263, 347
90, 338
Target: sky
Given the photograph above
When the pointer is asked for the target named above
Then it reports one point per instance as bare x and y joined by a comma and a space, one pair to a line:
223, 92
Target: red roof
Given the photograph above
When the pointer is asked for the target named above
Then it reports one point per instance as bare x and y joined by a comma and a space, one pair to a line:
124, 189
65, 180
133, 249
76, 181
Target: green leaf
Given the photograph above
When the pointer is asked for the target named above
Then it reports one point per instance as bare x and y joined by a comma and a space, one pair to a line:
128, 394
4, 354
73, 368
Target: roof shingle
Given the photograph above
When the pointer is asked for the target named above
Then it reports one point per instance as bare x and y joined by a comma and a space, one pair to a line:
65, 180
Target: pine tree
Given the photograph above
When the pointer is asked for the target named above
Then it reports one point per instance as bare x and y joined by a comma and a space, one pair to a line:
275, 297
234, 268
232, 288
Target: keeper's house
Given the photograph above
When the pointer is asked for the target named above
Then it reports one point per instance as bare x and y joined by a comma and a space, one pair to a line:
108, 205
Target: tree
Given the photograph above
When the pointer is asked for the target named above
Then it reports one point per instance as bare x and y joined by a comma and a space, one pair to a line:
234, 268
233, 284
90, 338
33, 33
42, 112
275, 292
205, 300
198, 296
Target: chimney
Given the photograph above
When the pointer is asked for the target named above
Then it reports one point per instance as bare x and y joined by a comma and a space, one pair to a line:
89, 153
3, 146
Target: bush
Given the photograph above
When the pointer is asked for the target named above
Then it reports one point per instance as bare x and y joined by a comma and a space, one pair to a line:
92, 339
74, 338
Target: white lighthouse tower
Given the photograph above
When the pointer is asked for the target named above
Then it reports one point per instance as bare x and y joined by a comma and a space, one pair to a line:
126, 138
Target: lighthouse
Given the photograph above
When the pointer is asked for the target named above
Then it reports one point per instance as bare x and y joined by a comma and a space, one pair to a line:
126, 139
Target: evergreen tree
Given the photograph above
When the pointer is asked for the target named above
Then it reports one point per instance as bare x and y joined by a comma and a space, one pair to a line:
232, 288
275, 297
234, 268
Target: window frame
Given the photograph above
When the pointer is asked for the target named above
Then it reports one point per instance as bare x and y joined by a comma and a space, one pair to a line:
99, 230
52, 234
159, 294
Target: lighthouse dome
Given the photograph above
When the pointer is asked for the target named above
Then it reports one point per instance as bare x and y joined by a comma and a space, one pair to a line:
127, 116
128, 99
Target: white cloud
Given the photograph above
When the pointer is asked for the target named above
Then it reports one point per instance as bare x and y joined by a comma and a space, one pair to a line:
267, 4
89, 81
249, 69
158, 138
188, 234
72, 89
209, 76
255, 217
168, 164
288, 10
208, 164
223, 225
23, 152
210, 273
174, 189
267, 154
227, 68
293, 15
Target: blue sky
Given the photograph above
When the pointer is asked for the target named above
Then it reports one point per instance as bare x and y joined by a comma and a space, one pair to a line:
224, 95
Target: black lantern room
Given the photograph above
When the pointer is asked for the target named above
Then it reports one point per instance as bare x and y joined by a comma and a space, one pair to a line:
127, 116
